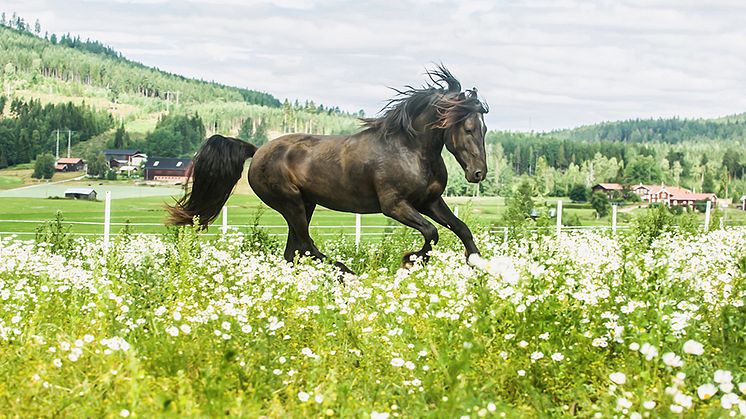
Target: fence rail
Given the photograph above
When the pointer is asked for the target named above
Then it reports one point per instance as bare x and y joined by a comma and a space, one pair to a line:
382, 230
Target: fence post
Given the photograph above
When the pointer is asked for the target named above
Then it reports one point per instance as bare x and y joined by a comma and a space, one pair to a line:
613, 219
707, 215
505, 234
455, 211
107, 219
358, 228
225, 219
559, 216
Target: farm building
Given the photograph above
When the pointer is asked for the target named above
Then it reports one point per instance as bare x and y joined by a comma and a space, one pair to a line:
69, 164
608, 188
743, 202
672, 195
167, 169
81, 193
117, 158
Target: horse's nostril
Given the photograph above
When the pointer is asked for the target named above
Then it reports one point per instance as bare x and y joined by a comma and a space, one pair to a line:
478, 175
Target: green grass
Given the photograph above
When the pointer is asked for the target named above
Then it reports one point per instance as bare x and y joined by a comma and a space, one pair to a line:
8, 182
243, 210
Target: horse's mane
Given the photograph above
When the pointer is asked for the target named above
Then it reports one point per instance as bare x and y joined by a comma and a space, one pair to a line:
443, 93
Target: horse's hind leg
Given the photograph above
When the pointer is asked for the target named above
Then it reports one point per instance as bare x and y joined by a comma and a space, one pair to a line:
316, 252
298, 214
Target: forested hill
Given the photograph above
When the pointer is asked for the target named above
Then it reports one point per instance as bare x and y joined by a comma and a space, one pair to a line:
671, 131
70, 59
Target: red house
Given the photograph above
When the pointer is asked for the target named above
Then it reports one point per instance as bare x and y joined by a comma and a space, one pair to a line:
672, 195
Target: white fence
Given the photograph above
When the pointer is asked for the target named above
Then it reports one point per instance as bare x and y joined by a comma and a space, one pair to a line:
380, 230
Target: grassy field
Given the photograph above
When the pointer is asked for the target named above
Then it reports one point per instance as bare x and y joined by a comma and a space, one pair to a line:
23, 210
145, 205
18, 177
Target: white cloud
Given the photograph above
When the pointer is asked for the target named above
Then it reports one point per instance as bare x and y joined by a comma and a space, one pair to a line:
553, 63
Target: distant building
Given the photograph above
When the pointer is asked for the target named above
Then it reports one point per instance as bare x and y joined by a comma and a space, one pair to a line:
672, 195
117, 158
743, 202
81, 193
608, 188
69, 164
167, 169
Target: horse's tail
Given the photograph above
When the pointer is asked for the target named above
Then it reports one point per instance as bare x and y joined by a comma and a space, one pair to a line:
217, 167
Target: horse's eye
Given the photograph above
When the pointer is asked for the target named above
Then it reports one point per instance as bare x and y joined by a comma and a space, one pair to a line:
468, 131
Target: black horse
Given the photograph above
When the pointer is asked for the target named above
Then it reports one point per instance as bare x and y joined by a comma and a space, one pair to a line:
393, 166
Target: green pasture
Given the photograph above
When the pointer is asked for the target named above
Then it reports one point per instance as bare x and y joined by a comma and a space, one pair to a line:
7, 182
146, 214
24, 214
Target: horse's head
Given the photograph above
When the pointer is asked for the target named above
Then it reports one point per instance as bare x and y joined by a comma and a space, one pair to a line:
462, 118
466, 142
439, 110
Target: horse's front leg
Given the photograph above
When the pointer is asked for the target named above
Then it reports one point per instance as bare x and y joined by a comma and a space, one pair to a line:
406, 214
438, 210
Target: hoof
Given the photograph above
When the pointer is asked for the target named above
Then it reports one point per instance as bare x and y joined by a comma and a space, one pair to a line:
410, 259
344, 271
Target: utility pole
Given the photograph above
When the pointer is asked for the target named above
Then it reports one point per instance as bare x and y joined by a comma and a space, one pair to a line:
69, 141
57, 154
169, 95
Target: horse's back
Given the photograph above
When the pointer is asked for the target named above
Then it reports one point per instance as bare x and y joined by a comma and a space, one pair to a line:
328, 170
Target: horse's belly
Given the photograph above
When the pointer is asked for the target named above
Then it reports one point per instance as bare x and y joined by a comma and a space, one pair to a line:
346, 202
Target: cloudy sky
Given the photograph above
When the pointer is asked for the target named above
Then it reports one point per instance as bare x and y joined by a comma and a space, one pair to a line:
539, 64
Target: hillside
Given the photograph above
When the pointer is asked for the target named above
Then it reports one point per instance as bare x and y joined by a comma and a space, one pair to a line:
67, 69
91, 64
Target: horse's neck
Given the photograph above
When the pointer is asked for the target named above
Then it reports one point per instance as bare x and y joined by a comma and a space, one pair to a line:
430, 141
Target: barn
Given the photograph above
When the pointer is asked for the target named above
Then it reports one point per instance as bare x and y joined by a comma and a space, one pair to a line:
69, 164
167, 169
81, 193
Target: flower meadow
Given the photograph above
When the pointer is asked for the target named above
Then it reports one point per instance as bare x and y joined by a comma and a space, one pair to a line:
591, 325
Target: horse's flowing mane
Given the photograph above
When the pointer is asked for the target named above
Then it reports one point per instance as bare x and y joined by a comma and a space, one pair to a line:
443, 93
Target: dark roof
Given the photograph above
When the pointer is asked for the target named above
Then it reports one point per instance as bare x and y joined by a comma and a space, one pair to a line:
121, 152
609, 186
167, 163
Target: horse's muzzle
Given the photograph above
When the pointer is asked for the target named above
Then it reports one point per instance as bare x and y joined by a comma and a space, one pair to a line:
476, 176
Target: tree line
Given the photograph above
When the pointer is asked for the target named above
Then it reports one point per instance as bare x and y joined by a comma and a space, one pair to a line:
661, 130
30, 128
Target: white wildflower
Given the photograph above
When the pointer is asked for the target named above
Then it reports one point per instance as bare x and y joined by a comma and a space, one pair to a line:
692, 347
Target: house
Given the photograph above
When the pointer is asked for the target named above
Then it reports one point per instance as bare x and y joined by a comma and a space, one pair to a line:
81, 193
610, 189
69, 164
128, 170
118, 158
672, 195
167, 169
